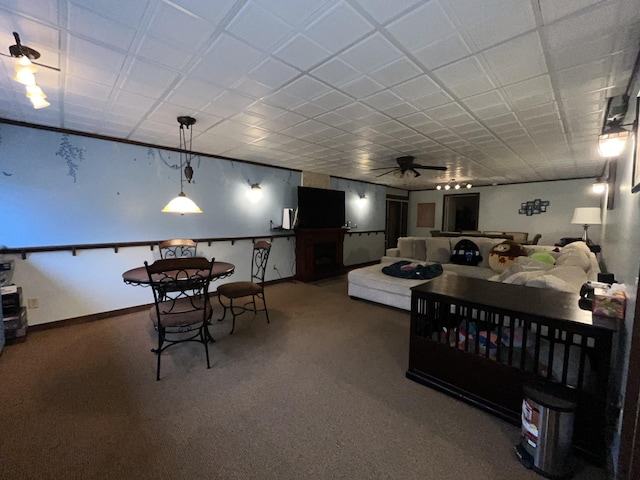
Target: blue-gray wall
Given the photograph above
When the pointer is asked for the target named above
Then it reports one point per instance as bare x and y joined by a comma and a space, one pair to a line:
65, 189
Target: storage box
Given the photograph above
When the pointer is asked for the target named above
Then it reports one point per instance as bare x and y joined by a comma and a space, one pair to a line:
15, 326
11, 301
608, 303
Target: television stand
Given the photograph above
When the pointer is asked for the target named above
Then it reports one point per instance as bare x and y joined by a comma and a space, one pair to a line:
319, 253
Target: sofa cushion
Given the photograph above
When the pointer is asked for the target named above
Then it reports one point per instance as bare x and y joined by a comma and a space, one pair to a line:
372, 277
438, 249
420, 248
405, 245
412, 247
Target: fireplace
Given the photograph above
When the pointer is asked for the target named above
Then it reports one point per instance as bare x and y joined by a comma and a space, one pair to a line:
319, 253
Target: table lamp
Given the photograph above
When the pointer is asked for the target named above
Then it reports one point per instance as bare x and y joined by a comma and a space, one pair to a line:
586, 216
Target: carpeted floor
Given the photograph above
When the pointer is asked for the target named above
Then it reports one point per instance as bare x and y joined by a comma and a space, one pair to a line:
320, 393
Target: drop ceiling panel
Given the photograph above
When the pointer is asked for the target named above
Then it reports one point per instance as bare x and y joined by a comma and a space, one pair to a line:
338, 86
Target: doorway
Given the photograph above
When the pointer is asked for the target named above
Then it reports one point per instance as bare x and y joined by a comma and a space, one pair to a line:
396, 225
460, 212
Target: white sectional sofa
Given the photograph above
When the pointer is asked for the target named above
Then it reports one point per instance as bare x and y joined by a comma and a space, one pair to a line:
575, 264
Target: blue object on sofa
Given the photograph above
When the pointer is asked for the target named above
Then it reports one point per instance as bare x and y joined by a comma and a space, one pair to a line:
404, 269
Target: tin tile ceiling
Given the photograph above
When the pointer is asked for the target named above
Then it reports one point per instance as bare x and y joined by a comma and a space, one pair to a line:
497, 91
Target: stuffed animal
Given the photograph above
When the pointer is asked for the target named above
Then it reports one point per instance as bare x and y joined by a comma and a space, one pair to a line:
466, 253
504, 254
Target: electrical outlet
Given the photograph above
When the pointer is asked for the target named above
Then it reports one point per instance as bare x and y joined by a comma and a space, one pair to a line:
32, 302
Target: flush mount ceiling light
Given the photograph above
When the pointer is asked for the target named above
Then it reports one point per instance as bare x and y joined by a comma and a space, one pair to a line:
181, 204
25, 70
453, 184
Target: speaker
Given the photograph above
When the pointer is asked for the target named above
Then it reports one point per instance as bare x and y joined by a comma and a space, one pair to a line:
287, 219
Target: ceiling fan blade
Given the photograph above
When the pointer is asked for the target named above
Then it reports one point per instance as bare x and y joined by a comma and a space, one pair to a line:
431, 167
385, 173
383, 168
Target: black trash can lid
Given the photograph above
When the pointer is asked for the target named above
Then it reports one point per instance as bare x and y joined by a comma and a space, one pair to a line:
551, 395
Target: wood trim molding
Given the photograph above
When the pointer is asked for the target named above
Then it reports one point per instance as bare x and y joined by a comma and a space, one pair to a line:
115, 313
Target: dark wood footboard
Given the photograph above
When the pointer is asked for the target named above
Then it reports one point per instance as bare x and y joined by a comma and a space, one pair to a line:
481, 341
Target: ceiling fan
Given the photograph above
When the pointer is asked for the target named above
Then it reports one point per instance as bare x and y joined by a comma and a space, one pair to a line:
405, 164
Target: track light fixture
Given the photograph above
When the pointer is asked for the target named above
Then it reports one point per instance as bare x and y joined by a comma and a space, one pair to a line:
453, 184
25, 70
181, 204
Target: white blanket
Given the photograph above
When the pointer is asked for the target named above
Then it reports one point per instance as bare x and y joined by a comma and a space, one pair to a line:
574, 266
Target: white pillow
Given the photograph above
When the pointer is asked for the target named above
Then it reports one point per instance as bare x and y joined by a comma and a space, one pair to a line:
405, 245
438, 249
419, 248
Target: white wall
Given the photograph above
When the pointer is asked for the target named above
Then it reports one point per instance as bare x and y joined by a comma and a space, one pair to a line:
621, 238
499, 207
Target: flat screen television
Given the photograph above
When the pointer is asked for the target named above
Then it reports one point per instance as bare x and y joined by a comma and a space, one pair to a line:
320, 208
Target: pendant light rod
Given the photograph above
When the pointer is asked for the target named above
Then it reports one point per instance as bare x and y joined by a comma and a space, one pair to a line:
181, 204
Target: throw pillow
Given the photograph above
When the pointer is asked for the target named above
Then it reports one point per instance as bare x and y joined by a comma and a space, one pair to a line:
466, 253
438, 249
505, 254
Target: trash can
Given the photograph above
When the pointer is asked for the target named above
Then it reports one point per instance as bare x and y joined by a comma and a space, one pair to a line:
548, 411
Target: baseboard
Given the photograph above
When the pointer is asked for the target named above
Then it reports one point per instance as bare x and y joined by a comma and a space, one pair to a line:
115, 313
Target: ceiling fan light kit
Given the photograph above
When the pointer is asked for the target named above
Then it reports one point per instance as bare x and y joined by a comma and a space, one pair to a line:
25, 70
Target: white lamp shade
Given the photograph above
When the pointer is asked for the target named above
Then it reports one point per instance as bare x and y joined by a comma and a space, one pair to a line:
586, 216
181, 204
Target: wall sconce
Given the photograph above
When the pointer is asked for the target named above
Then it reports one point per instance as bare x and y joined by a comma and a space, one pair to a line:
599, 187
181, 204
613, 139
25, 70
255, 193
453, 184
362, 200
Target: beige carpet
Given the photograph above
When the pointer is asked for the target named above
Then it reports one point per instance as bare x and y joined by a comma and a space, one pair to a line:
320, 393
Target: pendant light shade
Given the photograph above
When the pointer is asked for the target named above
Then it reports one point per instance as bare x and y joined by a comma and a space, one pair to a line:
181, 204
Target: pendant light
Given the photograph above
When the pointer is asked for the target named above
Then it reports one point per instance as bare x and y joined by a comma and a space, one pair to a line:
181, 204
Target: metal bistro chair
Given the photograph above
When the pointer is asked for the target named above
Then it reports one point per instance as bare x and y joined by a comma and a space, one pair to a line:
182, 308
178, 247
253, 288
